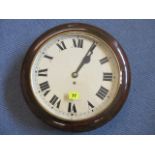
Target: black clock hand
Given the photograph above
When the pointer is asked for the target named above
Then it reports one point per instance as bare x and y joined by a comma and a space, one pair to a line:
85, 60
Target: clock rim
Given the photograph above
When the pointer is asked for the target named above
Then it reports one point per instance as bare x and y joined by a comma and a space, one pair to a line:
86, 124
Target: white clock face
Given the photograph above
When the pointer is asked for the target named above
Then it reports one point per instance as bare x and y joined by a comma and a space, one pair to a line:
75, 76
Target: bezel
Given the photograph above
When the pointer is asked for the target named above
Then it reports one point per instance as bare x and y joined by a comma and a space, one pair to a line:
95, 121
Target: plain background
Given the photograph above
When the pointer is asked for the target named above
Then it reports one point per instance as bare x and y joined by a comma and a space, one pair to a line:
137, 37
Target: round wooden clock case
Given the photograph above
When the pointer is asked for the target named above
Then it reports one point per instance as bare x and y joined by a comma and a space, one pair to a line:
83, 124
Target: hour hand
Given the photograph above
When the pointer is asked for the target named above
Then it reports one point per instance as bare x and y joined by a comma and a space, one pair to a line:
87, 57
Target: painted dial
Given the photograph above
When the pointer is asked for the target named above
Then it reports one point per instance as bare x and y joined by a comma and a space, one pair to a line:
75, 76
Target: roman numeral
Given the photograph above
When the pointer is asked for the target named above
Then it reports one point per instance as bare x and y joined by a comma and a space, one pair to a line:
46, 92
104, 60
72, 107
90, 106
78, 43
107, 76
102, 92
55, 101
48, 57
42, 72
92, 46
61, 46
44, 86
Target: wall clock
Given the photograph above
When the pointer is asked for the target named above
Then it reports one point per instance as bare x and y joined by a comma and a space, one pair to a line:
75, 77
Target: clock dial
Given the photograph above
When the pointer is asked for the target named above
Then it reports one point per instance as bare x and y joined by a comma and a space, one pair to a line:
75, 62
75, 77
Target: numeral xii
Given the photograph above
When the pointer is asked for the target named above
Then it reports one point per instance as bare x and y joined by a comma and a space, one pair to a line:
78, 43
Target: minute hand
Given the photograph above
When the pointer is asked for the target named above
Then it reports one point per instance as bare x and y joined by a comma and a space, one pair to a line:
85, 60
